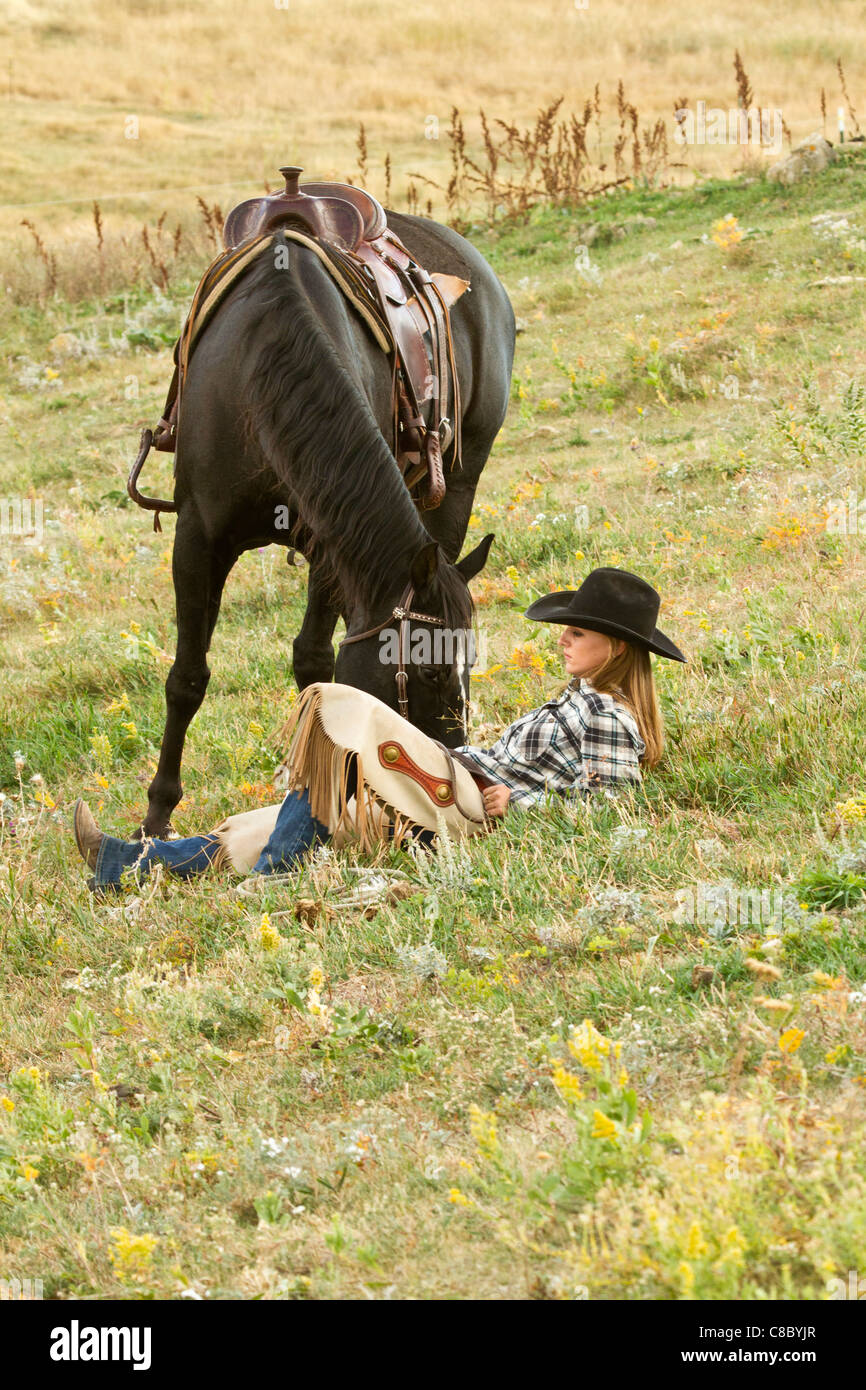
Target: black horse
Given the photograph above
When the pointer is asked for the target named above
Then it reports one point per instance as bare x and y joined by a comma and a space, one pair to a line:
286, 412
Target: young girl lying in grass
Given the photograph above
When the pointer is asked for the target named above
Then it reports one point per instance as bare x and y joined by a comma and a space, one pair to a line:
597, 735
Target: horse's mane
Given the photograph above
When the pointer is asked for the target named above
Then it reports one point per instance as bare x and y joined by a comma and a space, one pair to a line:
316, 430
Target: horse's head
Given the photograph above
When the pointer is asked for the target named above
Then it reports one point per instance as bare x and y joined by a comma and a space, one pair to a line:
436, 655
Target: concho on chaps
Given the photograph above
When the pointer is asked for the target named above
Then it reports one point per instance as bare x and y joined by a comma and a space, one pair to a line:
394, 756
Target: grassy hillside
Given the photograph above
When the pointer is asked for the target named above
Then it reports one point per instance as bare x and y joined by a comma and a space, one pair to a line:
535, 1075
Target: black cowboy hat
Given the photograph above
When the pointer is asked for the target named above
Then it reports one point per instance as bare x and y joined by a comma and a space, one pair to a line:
610, 601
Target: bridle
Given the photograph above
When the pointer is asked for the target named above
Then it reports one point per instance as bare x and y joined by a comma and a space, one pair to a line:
404, 613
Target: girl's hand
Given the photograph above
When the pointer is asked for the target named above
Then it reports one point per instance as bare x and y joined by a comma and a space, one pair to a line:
496, 800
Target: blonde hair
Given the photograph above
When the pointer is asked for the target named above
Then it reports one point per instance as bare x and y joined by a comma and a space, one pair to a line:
628, 677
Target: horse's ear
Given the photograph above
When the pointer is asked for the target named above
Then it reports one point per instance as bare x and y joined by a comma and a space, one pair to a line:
474, 562
424, 567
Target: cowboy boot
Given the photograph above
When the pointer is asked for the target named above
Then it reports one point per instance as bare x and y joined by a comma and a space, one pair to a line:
88, 836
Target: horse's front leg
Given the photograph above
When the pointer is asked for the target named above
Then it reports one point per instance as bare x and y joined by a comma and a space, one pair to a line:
199, 571
313, 649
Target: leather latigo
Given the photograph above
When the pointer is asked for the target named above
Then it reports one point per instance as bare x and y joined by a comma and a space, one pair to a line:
394, 756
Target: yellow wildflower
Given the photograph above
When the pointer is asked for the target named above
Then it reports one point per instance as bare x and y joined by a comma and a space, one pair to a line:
727, 232
733, 1246
588, 1045
826, 981
696, 1246
7, 1104
566, 1083
314, 995
459, 1198
687, 1276
482, 1126
269, 937
101, 747
790, 1040
602, 1126
29, 1172
130, 1254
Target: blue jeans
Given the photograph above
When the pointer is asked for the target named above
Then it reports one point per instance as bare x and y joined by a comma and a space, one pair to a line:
295, 832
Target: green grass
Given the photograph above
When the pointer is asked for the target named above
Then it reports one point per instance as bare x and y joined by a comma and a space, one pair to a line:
423, 1138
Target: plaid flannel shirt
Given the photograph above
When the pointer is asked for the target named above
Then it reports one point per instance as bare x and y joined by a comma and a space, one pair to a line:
581, 742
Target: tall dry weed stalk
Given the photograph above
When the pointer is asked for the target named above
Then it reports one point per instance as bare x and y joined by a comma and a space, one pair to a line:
855, 124
744, 86
100, 244
548, 161
363, 167
48, 258
213, 221
157, 265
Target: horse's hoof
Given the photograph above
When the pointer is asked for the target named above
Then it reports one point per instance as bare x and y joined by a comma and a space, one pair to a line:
141, 831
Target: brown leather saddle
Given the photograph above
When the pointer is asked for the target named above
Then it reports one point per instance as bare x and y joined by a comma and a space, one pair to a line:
350, 227
338, 213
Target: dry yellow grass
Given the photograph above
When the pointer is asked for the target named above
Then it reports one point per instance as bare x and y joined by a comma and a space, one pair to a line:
224, 94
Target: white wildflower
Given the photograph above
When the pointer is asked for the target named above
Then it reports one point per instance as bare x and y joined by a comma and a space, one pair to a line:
626, 837
424, 961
